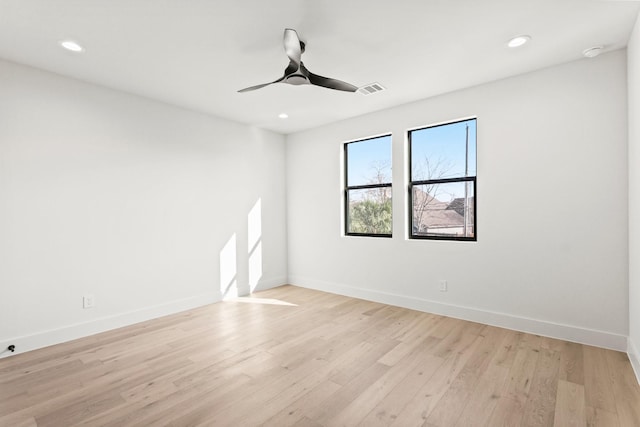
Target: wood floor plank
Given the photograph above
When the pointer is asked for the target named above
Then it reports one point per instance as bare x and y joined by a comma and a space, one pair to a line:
484, 397
598, 380
491, 385
325, 410
506, 353
419, 406
458, 338
389, 409
19, 421
509, 410
452, 405
601, 418
292, 413
540, 407
291, 356
625, 388
377, 392
372, 350
570, 408
571, 363
80, 409
306, 422
270, 401
403, 349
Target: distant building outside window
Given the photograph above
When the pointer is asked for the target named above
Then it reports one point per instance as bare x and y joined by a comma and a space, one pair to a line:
368, 192
442, 187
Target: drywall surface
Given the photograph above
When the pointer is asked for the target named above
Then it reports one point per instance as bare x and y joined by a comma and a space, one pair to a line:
633, 74
148, 208
551, 255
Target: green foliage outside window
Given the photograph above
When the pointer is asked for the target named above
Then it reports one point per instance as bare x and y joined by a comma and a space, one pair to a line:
370, 217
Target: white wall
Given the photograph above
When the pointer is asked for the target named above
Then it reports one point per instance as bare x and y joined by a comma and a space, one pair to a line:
633, 74
551, 255
129, 200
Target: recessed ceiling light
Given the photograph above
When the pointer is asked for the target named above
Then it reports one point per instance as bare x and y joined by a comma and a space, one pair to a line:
592, 52
283, 115
518, 41
71, 45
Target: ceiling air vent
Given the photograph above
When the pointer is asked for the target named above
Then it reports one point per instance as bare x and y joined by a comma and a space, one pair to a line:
371, 89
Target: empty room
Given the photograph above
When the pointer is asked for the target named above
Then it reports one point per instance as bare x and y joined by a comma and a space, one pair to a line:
319, 213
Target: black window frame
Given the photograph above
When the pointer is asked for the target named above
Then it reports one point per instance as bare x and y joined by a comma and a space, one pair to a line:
348, 188
413, 183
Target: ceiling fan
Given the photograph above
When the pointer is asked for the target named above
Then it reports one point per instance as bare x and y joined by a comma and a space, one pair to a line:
296, 73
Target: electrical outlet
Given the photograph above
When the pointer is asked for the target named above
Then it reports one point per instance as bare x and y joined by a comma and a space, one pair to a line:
88, 301
443, 285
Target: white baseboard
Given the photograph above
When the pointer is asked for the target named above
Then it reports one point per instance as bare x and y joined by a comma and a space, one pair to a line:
534, 326
634, 358
80, 330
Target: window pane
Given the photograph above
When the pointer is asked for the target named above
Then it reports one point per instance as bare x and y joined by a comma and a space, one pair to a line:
444, 151
369, 161
369, 211
444, 209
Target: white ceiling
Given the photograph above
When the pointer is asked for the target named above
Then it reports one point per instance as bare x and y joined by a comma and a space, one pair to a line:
197, 53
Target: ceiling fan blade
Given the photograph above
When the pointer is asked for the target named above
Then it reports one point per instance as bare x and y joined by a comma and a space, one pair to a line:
292, 45
317, 80
291, 68
250, 88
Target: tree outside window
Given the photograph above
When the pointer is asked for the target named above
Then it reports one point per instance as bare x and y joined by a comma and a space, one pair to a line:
368, 192
443, 181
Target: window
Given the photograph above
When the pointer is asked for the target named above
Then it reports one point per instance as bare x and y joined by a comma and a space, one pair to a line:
442, 188
368, 187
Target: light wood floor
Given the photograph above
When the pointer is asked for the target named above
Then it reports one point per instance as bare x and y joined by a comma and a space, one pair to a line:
292, 356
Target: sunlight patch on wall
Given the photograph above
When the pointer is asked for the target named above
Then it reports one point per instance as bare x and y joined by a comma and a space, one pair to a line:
255, 266
228, 269
254, 224
254, 237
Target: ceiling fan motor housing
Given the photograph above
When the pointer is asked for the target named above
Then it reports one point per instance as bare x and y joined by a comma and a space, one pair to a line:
297, 79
